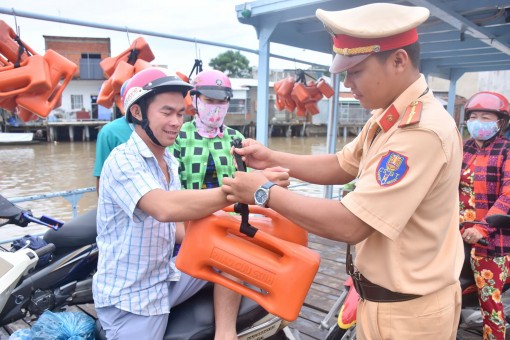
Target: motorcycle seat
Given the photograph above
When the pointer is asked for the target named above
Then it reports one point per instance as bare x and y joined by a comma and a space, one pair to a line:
78, 232
199, 312
194, 318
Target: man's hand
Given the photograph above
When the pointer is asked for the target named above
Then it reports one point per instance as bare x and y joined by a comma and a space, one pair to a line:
242, 187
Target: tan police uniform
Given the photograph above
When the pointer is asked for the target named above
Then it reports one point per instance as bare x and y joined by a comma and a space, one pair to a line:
407, 160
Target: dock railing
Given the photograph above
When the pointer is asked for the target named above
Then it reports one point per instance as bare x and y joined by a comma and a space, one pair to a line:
74, 196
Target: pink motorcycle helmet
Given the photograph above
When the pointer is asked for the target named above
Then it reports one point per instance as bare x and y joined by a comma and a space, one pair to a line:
147, 83
213, 84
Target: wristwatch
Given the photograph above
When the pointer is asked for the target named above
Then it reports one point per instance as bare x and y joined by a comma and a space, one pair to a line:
261, 196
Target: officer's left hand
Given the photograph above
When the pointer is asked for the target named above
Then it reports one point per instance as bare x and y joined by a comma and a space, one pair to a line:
278, 175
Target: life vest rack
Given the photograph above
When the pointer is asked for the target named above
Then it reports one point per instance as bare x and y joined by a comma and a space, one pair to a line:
121, 68
282, 269
30, 83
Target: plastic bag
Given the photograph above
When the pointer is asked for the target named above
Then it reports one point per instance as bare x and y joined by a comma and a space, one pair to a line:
64, 326
34, 243
21, 334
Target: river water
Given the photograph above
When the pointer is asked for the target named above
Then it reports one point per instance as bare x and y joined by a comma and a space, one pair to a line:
53, 167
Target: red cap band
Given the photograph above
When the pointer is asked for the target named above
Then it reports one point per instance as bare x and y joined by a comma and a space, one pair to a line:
348, 45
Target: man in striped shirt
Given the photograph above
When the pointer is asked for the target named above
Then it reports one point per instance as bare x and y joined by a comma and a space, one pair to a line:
140, 201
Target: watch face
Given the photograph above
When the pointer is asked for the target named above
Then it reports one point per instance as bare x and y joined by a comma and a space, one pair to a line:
260, 196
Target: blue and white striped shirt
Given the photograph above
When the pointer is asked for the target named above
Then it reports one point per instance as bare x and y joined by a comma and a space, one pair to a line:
135, 250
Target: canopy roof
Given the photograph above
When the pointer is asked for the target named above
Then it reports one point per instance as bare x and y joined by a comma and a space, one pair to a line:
460, 35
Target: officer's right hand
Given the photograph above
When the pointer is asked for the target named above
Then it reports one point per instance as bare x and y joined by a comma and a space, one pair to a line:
255, 155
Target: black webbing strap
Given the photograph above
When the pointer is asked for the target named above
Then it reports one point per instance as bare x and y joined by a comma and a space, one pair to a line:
242, 208
21, 49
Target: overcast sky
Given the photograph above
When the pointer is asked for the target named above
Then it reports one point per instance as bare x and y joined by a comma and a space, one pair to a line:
211, 20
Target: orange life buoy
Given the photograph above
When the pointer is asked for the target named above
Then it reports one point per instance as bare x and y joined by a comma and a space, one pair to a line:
283, 89
25, 115
61, 71
111, 86
189, 109
32, 76
122, 68
325, 88
8, 103
139, 49
9, 47
283, 270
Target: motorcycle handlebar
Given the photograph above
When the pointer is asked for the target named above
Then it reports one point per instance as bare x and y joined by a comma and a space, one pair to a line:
483, 242
45, 250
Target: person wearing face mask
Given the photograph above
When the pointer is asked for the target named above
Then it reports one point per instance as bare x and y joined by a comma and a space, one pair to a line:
203, 145
484, 190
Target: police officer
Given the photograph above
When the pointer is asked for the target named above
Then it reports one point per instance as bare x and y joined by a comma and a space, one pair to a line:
402, 216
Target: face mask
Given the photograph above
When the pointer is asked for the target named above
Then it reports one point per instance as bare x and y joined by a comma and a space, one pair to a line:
482, 130
210, 118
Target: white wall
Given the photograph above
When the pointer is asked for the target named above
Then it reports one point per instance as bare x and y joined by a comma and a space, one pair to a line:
498, 81
471, 83
86, 88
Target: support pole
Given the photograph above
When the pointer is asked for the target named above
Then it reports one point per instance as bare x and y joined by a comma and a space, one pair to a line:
263, 81
332, 126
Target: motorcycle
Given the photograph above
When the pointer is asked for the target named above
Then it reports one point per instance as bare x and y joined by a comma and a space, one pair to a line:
471, 321
28, 287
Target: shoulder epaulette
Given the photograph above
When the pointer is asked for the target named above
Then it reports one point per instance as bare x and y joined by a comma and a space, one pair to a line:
412, 115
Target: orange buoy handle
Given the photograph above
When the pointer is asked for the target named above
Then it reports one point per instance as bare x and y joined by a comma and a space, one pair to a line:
271, 222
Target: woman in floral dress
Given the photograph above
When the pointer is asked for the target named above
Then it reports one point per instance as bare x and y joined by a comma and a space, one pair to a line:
484, 190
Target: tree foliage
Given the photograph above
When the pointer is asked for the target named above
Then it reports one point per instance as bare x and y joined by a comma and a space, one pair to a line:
233, 64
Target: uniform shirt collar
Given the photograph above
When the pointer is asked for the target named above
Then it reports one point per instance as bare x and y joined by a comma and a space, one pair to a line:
387, 118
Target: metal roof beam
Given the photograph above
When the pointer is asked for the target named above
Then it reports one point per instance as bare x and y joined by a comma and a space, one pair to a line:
488, 54
464, 6
12, 11
462, 24
470, 44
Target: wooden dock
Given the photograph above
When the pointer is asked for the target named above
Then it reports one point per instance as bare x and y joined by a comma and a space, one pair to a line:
84, 130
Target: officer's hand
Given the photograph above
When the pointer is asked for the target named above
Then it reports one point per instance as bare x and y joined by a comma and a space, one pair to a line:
255, 155
278, 175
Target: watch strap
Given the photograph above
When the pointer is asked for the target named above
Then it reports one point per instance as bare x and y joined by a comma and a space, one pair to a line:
268, 185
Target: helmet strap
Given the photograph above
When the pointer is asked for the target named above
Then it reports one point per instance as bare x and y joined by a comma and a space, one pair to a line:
144, 123
148, 131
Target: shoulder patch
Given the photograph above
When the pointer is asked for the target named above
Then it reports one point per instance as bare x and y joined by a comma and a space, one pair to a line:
391, 169
412, 115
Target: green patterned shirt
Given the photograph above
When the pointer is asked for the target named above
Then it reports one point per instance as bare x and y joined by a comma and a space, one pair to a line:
192, 151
